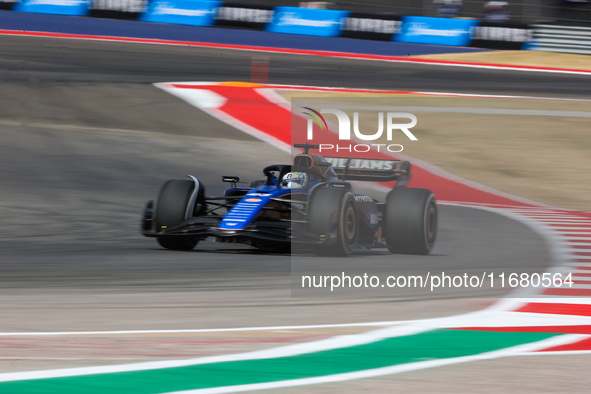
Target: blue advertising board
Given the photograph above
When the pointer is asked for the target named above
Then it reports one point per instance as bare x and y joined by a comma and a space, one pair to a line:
182, 12
307, 21
436, 31
59, 7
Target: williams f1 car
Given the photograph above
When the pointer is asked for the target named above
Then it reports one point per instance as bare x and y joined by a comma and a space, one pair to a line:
309, 203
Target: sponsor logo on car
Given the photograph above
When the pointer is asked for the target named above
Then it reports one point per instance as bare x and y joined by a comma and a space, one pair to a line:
360, 198
253, 200
340, 162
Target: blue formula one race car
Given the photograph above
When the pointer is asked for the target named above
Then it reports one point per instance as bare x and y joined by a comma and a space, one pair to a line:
309, 204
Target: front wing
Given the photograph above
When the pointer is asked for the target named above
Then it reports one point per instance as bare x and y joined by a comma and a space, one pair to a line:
281, 231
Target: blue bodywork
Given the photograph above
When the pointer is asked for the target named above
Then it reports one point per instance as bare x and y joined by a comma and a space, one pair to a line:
243, 213
310, 202
247, 209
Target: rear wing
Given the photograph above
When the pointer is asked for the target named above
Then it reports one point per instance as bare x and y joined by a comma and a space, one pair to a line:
371, 170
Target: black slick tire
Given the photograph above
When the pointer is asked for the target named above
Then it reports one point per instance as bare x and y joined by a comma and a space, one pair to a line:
334, 216
410, 221
171, 210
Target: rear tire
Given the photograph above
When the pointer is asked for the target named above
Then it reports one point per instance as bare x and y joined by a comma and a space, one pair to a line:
171, 210
333, 214
410, 221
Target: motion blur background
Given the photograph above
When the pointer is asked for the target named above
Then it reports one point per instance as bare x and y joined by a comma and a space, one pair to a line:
568, 12
87, 138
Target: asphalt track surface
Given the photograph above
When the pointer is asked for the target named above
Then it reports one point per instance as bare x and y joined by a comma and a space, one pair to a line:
86, 140
62, 61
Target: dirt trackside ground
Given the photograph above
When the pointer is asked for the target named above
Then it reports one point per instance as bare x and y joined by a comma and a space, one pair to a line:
520, 58
543, 156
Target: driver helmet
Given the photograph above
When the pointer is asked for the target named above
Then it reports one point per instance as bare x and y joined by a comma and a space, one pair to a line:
295, 180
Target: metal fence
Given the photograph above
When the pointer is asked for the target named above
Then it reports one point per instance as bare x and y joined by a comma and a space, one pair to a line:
562, 39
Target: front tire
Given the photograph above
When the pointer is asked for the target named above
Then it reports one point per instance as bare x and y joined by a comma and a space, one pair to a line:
178, 243
410, 221
333, 214
171, 210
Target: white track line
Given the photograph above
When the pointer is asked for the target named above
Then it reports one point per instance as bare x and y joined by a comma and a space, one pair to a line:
204, 330
282, 351
328, 89
508, 352
494, 316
